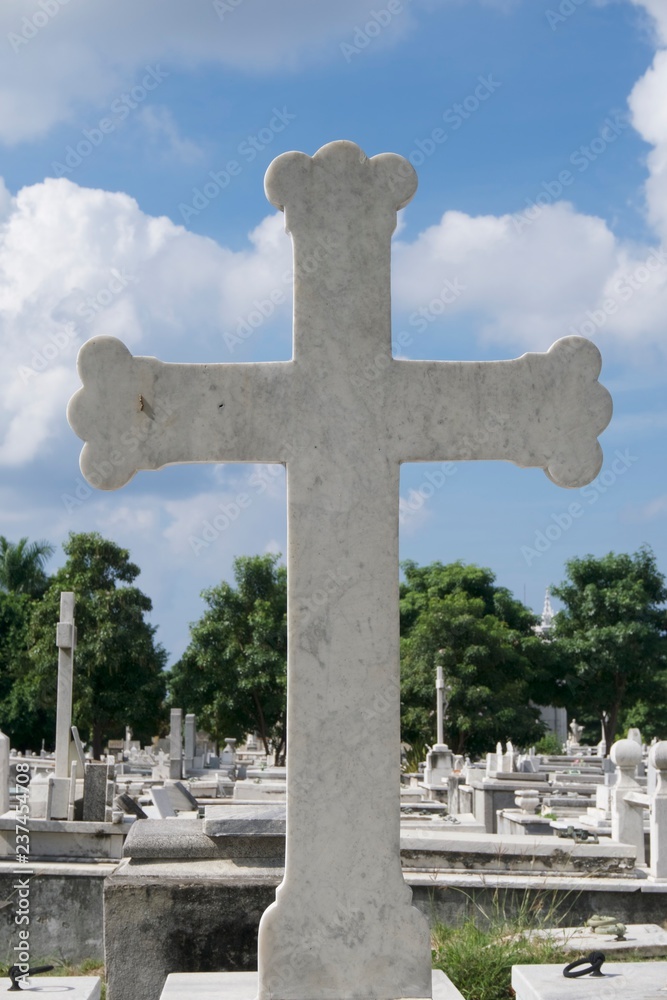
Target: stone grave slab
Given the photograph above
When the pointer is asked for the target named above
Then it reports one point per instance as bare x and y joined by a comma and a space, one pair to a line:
180, 796
256, 821
162, 802
63, 987
621, 981
640, 939
243, 986
95, 792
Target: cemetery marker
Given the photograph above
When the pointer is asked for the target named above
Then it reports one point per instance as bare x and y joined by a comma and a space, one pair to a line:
342, 415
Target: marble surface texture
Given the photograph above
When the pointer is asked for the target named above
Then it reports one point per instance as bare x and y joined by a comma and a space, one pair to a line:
343, 415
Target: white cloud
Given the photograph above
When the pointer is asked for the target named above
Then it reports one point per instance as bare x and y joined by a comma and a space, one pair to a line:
164, 133
51, 66
654, 510
529, 284
77, 262
658, 12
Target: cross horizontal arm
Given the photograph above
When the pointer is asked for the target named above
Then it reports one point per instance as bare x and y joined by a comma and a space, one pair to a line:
540, 410
140, 413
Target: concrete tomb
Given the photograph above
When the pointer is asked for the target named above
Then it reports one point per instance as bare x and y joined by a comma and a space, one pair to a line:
342, 415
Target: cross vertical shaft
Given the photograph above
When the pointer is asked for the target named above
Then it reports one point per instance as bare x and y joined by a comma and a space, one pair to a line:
66, 643
343, 639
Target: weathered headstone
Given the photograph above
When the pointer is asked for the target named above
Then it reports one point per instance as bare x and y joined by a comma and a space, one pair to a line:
342, 415
59, 782
4, 773
94, 792
96, 798
190, 742
176, 743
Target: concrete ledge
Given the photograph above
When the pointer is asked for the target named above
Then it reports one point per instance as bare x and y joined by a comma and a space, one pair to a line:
244, 986
63, 839
639, 939
245, 821
428, 849
184, 839
74, 987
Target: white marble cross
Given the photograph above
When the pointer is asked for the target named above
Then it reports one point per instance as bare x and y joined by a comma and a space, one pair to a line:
66, 643
343, 925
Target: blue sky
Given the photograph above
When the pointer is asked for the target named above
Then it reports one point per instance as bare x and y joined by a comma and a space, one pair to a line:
539, 133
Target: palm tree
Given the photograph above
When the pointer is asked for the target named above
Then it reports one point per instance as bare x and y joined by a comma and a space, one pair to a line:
22, 566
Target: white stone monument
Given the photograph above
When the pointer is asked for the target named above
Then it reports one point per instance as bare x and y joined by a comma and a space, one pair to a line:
176, 744
190, 743
4, 773
59, 782
343, 415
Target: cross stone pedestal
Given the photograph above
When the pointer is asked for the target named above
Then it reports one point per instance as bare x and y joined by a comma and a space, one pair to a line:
243, 986
342, 415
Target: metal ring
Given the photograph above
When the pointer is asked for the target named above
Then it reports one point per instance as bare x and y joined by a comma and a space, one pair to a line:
593, 964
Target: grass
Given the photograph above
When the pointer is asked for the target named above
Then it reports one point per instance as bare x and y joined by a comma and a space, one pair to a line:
478, 955
479, 960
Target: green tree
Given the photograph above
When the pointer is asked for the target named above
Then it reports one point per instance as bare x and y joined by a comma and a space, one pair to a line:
455, 616
21, 716
233, 673
119, 676
22, 566
612, 636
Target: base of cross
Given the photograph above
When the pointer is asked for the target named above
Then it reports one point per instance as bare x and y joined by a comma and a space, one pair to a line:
244, 986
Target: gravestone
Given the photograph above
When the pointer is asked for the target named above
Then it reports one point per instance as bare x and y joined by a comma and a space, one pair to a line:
4, 773
176, 743
342, 415
95, 792
59, 782
190, 742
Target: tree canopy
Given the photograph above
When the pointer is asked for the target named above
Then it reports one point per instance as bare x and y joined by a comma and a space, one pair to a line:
119, 674
612, 639
22, 566
233, 673
457, 617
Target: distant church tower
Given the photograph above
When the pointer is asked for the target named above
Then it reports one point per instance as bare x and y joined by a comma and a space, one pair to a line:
554, 718
546, 624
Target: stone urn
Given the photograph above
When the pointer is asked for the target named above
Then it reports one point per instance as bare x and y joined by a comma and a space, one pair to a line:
527, 800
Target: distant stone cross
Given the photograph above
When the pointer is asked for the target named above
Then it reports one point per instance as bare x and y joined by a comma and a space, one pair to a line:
343, 925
